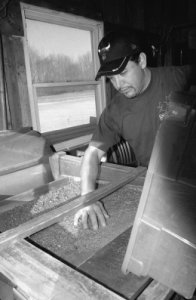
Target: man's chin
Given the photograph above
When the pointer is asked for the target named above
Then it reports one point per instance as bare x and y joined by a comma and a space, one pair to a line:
129, 94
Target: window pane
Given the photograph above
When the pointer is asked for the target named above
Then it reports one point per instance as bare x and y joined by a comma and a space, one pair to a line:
59, 53
63, 107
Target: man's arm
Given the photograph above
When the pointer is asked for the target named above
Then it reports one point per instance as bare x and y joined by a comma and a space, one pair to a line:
90, 169
89, 172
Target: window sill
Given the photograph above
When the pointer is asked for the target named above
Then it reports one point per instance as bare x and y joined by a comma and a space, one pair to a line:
70, 138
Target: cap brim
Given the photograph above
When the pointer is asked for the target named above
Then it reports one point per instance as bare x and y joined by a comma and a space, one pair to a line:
112, 68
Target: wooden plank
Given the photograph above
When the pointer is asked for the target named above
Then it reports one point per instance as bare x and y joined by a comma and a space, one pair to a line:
73, 143
105, 267
13, 92
54, 161
108, 171
21, 78
42, 277
16, 81
54, 216
3, 114
58, 136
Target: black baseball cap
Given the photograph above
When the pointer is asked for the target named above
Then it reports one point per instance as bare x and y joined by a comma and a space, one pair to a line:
115, 50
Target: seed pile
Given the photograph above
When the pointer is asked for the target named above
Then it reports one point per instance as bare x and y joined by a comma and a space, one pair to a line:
74, 244
54, 198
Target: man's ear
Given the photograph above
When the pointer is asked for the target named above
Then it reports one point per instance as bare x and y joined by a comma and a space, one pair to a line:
142, 60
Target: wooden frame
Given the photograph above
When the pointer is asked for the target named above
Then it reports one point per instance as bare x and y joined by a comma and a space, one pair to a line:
71, 165
96, 29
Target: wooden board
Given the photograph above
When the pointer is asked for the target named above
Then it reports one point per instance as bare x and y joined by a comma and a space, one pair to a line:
73, 143
105, 267
63, 165
41, 277
16, 81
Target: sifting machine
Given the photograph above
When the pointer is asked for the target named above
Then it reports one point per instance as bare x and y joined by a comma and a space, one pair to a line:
148, 249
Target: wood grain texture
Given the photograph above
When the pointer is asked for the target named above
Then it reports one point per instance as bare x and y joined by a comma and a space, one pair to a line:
42, 277
17, 82
108, 171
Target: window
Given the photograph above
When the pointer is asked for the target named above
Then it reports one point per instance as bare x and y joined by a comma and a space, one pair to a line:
61, 62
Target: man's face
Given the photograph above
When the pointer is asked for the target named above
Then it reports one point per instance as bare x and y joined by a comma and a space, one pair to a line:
131, 82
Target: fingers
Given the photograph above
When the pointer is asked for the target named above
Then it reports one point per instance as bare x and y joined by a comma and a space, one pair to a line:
101, 216
85, 219
93, 219
103, 209
78, 216
95, 213
85, 214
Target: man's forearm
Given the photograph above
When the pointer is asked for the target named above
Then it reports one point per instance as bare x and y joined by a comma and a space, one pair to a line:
89, 172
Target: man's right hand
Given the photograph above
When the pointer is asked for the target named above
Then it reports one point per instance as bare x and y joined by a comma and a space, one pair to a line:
93, 215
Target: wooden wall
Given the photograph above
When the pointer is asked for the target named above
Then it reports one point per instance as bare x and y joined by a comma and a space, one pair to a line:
153, 18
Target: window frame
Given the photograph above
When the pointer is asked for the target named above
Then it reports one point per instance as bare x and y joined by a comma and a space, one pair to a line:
33, 12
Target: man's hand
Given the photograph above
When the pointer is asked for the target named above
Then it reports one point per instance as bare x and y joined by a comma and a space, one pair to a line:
94, 213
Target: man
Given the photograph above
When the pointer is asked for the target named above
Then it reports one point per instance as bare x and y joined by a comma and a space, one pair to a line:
134, 113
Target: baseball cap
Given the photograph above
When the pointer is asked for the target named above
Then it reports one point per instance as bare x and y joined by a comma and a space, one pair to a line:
115, 50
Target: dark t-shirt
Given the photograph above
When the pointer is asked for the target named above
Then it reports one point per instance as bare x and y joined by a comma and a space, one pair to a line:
137, 119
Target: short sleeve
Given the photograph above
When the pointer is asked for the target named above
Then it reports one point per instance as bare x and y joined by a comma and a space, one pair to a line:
107, 131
